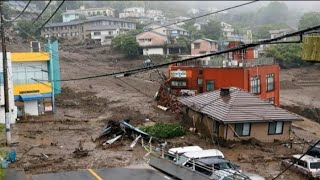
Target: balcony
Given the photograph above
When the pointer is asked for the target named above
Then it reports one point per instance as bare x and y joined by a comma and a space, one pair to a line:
223, 63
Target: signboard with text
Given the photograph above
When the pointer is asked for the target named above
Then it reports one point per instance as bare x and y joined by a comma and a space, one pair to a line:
178, 74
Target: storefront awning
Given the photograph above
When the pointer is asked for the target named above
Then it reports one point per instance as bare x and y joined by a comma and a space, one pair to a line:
30, 97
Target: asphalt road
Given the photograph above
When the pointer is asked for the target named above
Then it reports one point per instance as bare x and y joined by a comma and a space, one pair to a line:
104, 174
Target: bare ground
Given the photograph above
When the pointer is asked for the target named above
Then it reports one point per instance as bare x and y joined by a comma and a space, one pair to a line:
85, 106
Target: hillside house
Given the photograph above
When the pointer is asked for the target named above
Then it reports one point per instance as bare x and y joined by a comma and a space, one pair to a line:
71, 15
232, 114
152, 43
133, 12
204, 46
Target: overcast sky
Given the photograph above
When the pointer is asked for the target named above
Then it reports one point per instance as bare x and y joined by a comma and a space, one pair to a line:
293, 5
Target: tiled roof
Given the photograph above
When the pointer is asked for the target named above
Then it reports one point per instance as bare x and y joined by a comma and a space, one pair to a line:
239, 106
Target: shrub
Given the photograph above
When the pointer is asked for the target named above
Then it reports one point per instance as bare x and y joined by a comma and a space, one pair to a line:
164, 130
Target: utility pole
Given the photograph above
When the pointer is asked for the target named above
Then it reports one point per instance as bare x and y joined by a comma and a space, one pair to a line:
5, 77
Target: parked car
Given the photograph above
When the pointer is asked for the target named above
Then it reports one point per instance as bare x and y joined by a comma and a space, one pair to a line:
307, 165
188, 156
182, 150
315, 151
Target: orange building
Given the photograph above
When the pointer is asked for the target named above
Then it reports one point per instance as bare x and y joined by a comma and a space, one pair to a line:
258, 76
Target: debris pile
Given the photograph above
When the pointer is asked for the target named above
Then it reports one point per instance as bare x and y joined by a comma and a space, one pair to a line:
114, 131
167, 100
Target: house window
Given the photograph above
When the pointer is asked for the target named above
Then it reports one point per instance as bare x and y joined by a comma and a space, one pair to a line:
255, 85
110, 32
200, 81
243, 129
275, 128
210, 85
179, 83
200, 72
270, 82
96, 33
197, 45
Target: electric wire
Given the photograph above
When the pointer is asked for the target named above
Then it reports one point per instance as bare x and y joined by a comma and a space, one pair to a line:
39, 29
296, 160
42, 12
10, 20
241, 47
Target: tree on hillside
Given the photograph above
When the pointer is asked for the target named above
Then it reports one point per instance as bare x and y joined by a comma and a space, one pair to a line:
288, 55
275, 12
195, 34
309, 19
127, 44
212, 30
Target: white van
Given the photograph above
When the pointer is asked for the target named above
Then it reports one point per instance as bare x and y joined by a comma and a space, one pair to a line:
182, 150
307, 165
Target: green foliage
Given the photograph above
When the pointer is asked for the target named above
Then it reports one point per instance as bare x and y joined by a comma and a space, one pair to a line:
25, 28
185, 42
212, 30
127, 44
2, 128
164, 130
288, 55
309, 19
275, 12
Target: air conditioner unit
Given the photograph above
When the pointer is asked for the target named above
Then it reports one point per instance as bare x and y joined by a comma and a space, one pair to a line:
224, 63
35, 46
240, 64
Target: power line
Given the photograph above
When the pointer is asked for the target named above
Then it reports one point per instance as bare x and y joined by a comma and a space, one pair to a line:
51, 16
296, 160
42, 12
10, 20
241, 47
215, 12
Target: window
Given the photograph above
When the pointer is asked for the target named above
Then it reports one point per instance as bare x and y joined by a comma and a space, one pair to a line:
255, 85
96, 33
104, 12
179, 83
200, 81
243, 129
110, 32
200, 72
197, 45
210, 85
275, 128
270, 82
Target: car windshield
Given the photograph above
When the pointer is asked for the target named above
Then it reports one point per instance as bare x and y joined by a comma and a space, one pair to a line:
223, 165
315, 165
182, 159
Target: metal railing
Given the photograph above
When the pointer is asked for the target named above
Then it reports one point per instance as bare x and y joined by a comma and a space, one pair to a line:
227, 63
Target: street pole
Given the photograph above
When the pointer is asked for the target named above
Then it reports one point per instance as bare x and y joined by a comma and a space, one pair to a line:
5, 77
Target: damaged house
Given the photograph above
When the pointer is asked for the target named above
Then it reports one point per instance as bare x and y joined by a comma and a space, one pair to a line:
232, 114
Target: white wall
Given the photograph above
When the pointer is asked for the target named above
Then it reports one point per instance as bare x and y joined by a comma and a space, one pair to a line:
31, 108
150, 51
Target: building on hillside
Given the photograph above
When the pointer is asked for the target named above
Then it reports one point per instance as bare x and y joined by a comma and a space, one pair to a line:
71, 15
193, 11
107, 27
233, 114
280, 32
200, 24
152, 43
227, 30
32, 74
156, 43
179, 19
172, 31
12, 107
151, 14
133, 12
240, 69
203, 46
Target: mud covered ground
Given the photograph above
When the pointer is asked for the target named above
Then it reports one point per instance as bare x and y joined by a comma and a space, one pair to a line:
85, 106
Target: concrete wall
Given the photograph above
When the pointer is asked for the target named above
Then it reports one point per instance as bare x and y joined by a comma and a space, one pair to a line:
260, 132
206, 125
156, 39
31, 108
150, 51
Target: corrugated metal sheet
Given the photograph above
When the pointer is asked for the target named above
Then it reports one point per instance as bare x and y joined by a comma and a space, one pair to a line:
239, 106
